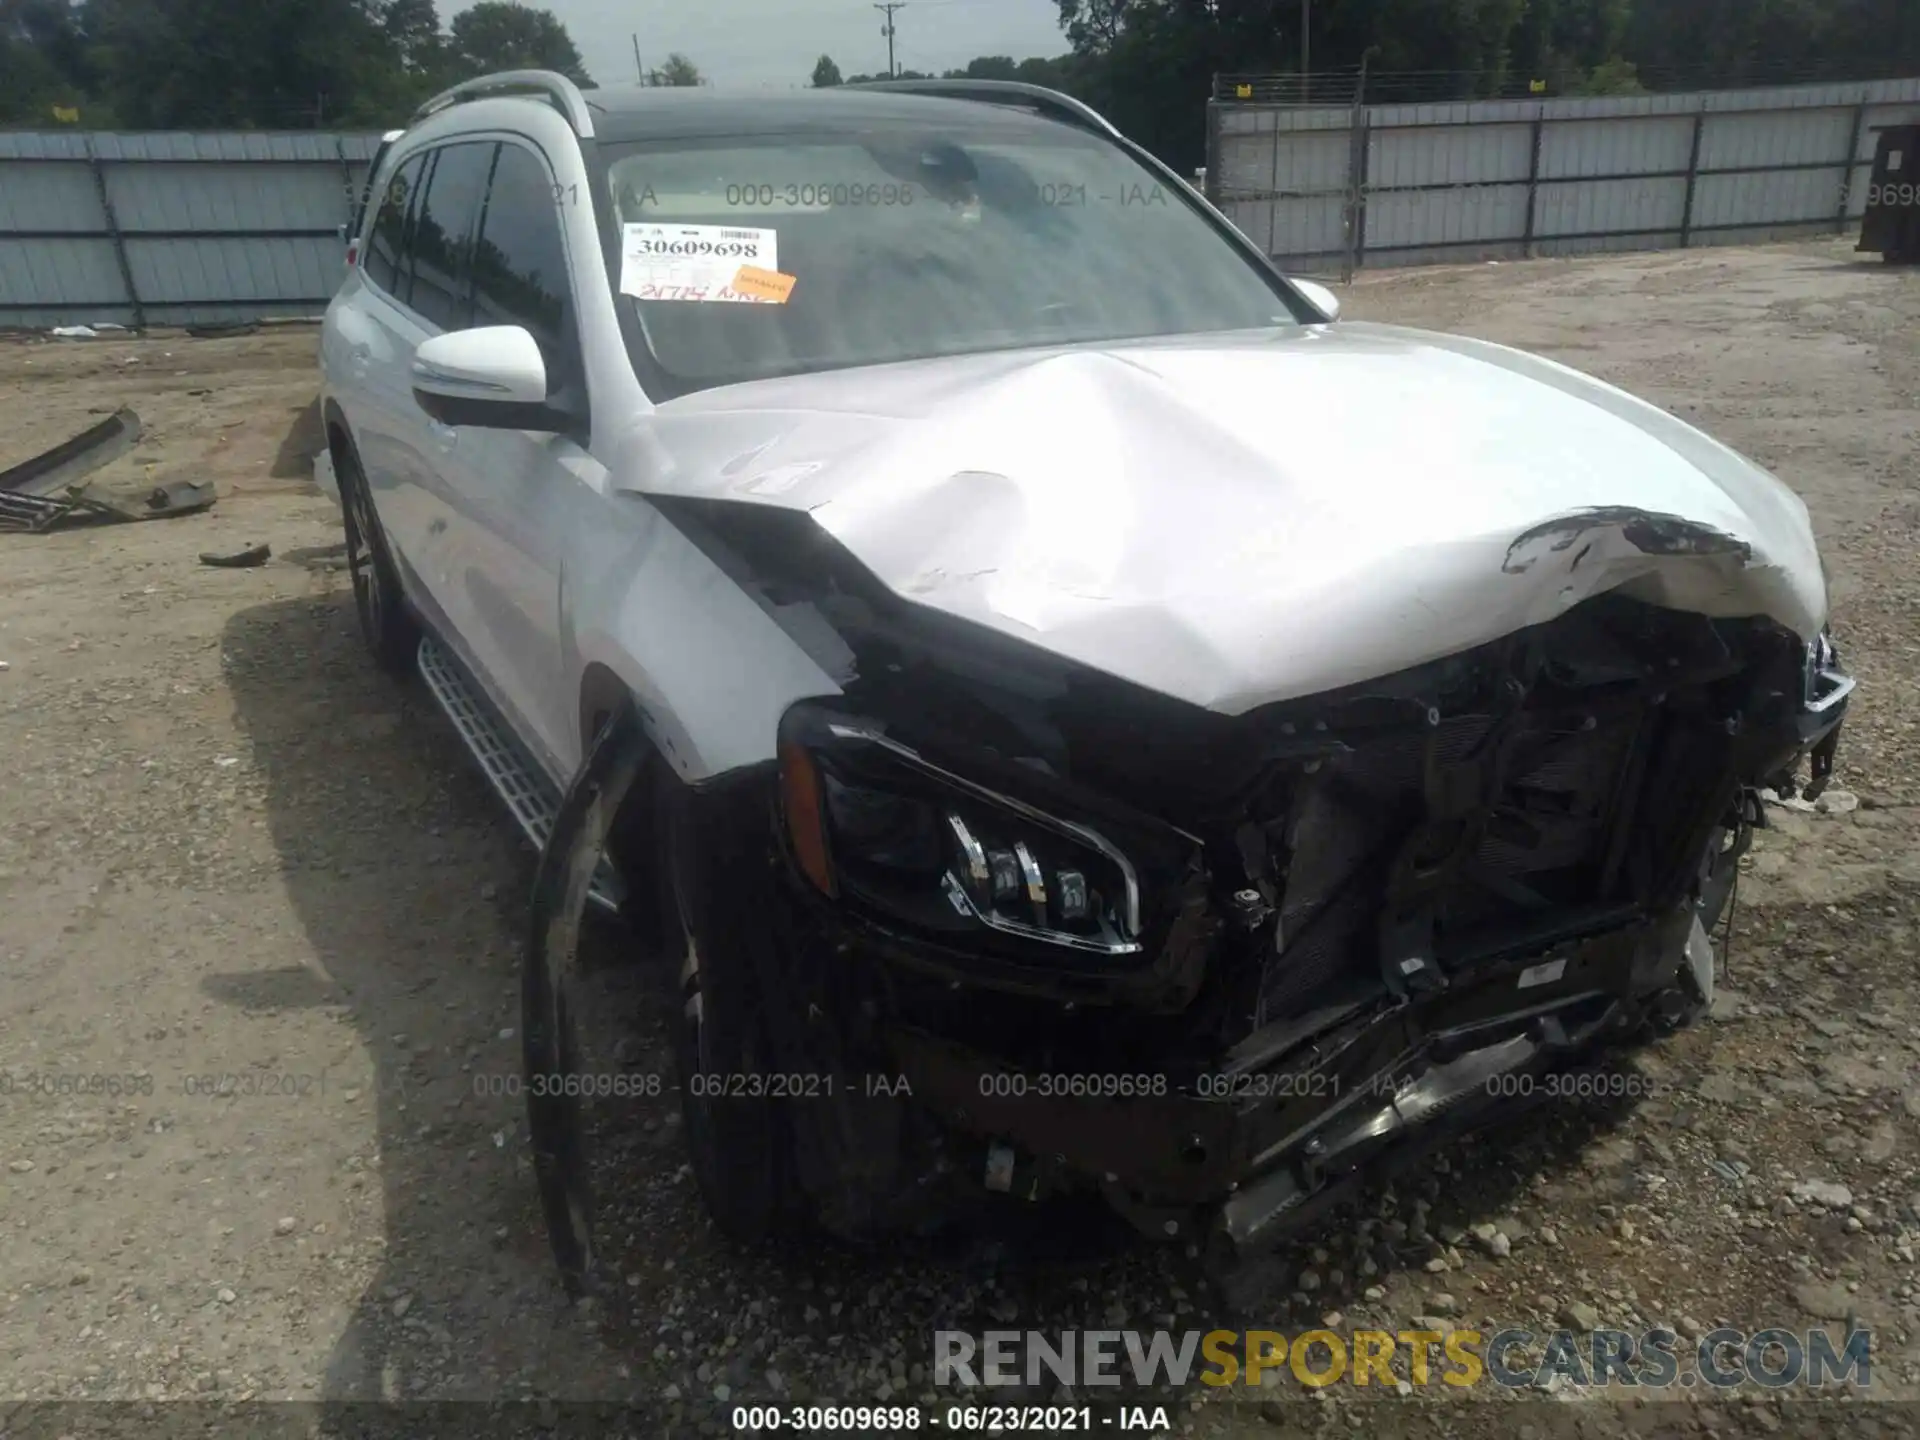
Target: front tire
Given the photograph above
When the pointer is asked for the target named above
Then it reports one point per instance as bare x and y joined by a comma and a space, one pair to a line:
550, 1040
389, 630
739, 1137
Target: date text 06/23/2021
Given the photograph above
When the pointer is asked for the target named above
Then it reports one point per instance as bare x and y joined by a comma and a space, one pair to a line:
970, 1418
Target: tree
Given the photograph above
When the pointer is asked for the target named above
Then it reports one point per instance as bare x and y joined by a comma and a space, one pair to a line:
1147, 64
1610, 77
986, 67
504, 35
1055, 74
678, 71
412, 29
43, 62
218, 64
1094, 25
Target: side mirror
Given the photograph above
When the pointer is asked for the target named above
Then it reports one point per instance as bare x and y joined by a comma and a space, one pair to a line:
493, 378
1324, 300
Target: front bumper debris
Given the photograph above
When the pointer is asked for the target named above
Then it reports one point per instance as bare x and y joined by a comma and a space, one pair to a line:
1248, 1150
1409, 903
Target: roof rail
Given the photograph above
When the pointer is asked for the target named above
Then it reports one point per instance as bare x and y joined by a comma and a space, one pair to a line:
564, 94
1051, 103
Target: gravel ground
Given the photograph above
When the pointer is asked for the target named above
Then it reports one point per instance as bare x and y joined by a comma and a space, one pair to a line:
229, 848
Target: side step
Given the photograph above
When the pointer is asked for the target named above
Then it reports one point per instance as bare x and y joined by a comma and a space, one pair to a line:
529, 797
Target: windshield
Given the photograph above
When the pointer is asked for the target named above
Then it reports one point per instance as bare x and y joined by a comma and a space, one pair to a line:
750, 257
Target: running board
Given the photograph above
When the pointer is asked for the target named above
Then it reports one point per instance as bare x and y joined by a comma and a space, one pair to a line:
529, 797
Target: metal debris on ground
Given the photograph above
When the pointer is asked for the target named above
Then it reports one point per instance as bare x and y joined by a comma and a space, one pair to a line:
176, 497
38, 514
245, 559
52, 489
75, 457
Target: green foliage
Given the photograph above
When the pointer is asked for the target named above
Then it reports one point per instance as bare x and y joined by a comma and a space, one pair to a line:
1148, 64
1610, 77
219, 64
987, 67
678, 71
42, 61
412, 29
503, 35
267, 64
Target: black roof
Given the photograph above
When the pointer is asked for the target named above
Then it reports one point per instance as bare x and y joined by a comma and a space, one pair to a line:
625, 114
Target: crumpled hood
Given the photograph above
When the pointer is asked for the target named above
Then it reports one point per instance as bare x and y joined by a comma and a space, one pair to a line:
1233, 520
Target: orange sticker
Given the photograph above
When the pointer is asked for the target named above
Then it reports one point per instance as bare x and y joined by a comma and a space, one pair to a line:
764, 284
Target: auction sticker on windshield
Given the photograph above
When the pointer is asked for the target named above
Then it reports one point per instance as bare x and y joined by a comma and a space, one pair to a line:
694, 262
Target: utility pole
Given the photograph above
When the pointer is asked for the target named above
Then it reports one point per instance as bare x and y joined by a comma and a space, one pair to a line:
887, 30
1306, 49
638, 69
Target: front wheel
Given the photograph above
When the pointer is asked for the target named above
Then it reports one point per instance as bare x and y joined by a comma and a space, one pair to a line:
548, 994
739, 1136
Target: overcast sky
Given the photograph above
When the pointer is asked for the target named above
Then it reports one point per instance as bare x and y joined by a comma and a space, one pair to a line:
761, 43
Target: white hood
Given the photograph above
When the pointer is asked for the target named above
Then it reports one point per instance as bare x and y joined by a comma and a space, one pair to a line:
1233, 520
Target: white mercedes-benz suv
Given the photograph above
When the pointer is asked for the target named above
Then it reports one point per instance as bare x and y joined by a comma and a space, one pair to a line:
1067, 717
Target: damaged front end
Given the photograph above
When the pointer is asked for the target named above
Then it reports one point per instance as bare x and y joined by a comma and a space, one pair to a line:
1213, 967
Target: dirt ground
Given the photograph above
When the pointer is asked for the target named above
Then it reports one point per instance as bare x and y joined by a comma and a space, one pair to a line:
229, 848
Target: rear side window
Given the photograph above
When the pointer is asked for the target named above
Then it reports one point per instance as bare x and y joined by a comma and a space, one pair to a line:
442, 246
520, 262
389, 239
365, 195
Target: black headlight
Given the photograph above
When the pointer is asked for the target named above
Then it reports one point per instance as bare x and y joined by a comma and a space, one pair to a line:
872, 821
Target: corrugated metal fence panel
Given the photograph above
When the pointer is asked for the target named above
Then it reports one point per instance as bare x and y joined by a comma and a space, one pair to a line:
229, 197
1483, 155
295, 276
1648, 211
48, 197
53, 282
1464, 180
1405, 222
215, 227
1288, 196
1571, 149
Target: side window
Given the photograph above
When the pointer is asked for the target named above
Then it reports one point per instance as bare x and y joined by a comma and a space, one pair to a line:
388, 241
520, 263
443, 235
360, 199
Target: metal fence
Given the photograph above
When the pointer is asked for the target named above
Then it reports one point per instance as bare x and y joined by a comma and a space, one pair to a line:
1327, 189
172, 229
182, 229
